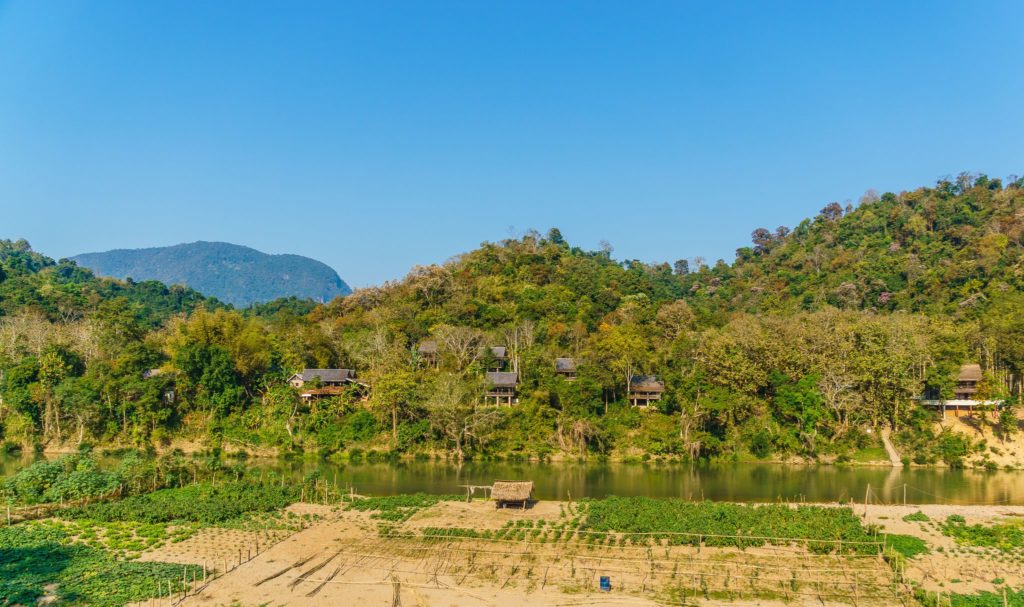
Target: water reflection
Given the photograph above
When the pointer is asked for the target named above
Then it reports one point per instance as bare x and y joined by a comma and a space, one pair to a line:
737, 482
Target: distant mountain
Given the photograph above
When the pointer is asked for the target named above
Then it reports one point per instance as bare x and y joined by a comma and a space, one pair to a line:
234, 274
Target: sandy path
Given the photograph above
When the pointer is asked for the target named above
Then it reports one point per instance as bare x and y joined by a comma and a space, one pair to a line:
894, 456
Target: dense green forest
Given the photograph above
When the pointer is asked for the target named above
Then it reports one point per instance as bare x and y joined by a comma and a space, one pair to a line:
811, 340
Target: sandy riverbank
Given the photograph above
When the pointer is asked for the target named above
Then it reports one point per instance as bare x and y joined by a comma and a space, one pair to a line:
342, 559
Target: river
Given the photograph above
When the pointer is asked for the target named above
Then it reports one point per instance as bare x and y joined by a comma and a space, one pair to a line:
726, 482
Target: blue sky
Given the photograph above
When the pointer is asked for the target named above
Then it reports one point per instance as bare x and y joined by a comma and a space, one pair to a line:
375, 136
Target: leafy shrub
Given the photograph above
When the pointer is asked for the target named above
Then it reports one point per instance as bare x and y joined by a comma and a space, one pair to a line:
69, 477
907, 545
202, 503
917, 517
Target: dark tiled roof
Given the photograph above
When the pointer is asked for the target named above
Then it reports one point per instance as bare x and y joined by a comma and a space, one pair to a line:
327, 375
502, 379
565, 365
646, 383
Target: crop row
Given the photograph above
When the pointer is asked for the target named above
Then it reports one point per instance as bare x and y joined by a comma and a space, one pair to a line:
398, 508
675, 521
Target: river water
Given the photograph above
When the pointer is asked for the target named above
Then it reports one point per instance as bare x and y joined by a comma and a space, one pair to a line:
727, 482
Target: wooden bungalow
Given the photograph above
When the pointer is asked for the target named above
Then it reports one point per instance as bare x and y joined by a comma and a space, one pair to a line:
501, 386
967, 381
512, 493
965, 394
645, 390
566, 367
327, 383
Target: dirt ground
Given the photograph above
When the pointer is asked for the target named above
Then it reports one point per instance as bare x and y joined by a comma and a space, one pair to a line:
342, 559
963, 570
1003, 453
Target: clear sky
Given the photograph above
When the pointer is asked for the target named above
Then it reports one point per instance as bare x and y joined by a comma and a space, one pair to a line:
375, 136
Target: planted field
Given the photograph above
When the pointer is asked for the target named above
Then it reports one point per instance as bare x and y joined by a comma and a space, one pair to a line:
1004, 536
39, 561
203, 503
640, 519
112, 553
398, 508
124, 539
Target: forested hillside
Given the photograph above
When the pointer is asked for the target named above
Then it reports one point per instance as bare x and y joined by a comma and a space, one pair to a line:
811, 341
234, 274
941, 250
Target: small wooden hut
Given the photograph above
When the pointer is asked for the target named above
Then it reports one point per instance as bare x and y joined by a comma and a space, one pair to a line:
327, 377
645, 390
332, 382
566, 367
501, 386
512, 493
428, 352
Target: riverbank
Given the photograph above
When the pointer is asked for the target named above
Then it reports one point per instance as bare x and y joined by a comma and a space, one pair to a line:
241, 540
344, 556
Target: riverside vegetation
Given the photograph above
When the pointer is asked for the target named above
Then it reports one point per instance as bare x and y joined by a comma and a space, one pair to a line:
92, 549
86, 552
810, 341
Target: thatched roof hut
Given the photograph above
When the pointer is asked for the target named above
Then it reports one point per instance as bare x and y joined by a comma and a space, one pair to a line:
967, 381
512, 492
970, 372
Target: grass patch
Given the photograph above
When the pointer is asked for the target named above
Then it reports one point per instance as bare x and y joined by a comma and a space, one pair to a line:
870, 454
907, 545
918, 516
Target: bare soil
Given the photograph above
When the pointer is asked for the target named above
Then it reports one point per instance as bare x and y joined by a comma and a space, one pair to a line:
343, 559
949, 567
